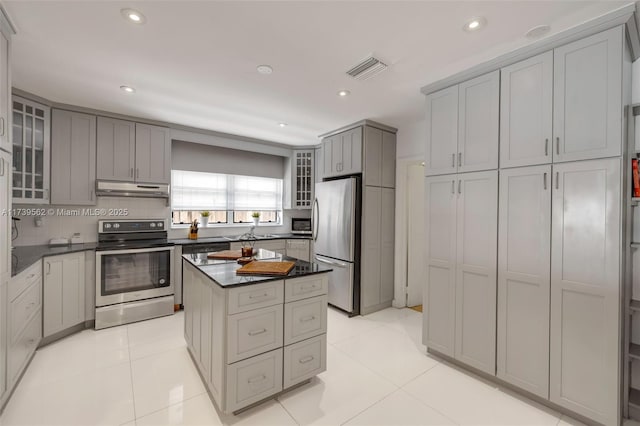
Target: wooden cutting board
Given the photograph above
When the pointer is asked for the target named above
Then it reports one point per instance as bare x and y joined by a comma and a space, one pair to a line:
226, 254
258, 267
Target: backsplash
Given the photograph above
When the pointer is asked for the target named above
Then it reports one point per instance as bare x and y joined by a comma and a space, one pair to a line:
67, 220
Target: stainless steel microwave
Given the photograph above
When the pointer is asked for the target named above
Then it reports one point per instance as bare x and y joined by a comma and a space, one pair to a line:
301, 226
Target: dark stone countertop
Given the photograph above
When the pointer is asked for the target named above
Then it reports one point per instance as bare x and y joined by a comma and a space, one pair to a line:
223, 272
231, 239
24, 256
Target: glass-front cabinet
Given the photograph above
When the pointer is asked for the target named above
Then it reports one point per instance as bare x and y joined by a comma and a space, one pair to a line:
30, 137
303, 179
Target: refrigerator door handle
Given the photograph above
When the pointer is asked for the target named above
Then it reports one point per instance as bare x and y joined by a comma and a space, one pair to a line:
333, 262
314, 219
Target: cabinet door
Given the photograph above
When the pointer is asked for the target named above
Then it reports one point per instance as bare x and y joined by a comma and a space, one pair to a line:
351, 152
587, 110
388, 160
4, 308
524, 269
387, 243
5, 219
476, 269
5, 97
585, 288
439, 297
372, 156
153, 154
63, 292
370, 268
319, 163
116, 144
328, 168
478, 123
526, 102
73, 141
442, 132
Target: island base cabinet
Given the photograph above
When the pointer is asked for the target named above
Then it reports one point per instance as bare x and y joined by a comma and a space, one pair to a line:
253, 380
21, 350
304, 360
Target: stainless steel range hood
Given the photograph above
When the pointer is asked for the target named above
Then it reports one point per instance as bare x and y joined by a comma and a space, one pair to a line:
129, 189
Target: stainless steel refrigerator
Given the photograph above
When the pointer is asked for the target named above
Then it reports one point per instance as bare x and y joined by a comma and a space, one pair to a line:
336, 234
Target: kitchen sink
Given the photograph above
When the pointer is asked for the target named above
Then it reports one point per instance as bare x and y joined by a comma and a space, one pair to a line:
247, 237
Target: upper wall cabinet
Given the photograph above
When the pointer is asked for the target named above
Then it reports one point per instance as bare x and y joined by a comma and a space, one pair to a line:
153, 154
462, 127
73, 141
343, 153
587, 108
30, 136
379, 158
133, 152
526, 105
5, 97
299, 179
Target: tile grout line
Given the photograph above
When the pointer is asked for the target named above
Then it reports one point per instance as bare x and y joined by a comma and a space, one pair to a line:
429, 406
370, 406
133, 392
287, 411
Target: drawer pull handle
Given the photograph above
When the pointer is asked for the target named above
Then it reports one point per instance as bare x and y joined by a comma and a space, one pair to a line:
307, 319
256, 332
306, 288
257, 379
252, 296
305, 359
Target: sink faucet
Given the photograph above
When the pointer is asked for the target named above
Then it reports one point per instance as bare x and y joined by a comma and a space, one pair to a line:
251, 231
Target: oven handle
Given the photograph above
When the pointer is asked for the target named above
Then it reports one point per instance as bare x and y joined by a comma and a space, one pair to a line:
139, 250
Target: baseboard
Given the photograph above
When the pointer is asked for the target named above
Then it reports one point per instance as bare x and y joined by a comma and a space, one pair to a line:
62, 334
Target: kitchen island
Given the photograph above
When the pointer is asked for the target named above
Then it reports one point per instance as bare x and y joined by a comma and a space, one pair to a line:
252, 337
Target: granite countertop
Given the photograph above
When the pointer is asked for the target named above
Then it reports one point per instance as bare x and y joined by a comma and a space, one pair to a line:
223, 272
24, 256
231, 239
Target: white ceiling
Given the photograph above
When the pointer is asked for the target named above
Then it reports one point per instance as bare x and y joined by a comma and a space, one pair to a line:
194, 63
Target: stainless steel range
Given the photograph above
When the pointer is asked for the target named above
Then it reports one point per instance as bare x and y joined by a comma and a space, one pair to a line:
134, 271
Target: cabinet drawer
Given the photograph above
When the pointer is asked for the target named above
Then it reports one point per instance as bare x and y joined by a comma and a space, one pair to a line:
26, 343
254, 332
23, 308
20, 282
242, 299
304, 360
253, 379
304, 319
305, 287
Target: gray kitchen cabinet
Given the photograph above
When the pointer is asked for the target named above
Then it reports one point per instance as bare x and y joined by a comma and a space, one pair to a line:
526, 112
5, 93
299, 249
439, 298
299, 179
476, 269
153, 154
319, 164
63, 292
5, 219
133, 152
116, 149
478, 123
23, 320
73, 142
343, 153
585, 288
376, 271
462, 220
379, 157
524, 244
463, 127
587, 97
4, 284
442, 132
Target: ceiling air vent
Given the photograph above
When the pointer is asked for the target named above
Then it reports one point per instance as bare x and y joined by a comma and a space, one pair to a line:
367, 68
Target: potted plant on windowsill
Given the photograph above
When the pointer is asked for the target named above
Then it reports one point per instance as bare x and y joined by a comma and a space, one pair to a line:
256, 218
204, 218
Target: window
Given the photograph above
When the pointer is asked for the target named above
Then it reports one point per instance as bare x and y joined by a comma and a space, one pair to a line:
227, 198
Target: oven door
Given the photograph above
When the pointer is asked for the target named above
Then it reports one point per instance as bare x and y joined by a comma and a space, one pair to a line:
133, 274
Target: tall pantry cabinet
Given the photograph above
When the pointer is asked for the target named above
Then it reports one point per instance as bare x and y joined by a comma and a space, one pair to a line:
552, 293
6, 31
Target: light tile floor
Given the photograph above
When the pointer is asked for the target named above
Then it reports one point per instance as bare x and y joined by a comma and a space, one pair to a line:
378, 373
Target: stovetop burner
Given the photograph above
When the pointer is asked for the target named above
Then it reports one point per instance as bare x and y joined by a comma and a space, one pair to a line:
132, 233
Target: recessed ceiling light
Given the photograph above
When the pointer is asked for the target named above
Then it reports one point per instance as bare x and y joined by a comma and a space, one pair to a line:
282, 124
134, 16
475, 24
128, 89
344, 93
538, 31
264, 69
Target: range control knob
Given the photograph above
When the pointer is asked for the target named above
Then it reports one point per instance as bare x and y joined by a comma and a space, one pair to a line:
152, 225
116, 225
107, 225
160, 224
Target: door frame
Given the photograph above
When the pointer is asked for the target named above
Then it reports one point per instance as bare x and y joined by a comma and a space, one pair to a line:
401, 225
